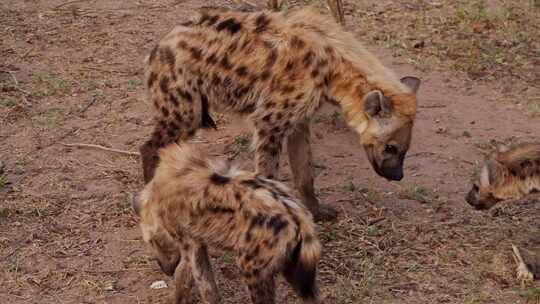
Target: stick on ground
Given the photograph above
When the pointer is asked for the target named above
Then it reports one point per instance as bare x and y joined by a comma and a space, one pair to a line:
102, 148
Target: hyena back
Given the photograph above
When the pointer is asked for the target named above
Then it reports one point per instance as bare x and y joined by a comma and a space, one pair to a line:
507, 174
192, 203
276, 69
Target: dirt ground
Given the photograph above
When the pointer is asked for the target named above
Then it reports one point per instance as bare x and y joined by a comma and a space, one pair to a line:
72, 73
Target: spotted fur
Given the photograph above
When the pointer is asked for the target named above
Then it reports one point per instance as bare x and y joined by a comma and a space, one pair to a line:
193, 202
507, 174
276, 69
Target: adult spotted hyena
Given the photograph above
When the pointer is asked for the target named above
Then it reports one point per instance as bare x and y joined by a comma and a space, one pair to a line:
276, 69
192, 203
506, 174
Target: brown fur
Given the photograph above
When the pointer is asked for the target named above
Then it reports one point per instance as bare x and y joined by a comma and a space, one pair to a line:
276, 69
507, 174
192, 203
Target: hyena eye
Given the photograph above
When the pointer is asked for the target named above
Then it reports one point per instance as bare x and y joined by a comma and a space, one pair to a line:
391, 149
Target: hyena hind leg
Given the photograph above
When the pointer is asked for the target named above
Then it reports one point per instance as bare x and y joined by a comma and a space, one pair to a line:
262, 290
203, 274
183, 281
267, 152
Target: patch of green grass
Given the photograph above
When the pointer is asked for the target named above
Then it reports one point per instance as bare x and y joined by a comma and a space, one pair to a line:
2, 181
533, 107
5, 212
8, 102
48, 85
132, 84
242, 142
350, 186
51, 118
532, 294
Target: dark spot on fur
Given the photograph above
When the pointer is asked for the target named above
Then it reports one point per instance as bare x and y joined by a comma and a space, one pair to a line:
164, 84
267, 117
249, 108
287, 89
261, 23
251, 183
151, 79
297, 43
289, 66
220, 210
308, 58
180, 71
265, 75
165, 111
171, 133
257, 221
272, 58
191, 133
211, 59
177, 117
242, 71
232, 47
250, 256
173, 100
277, 223
196, 53
199, 82
225, 63
286, 104
315, 73
167, 56
237, 196
241, 91
279, 116
184, 95
272, 139
262, 133
187, 23
230, 25
216, 80
182, 45
299, 96
210, 20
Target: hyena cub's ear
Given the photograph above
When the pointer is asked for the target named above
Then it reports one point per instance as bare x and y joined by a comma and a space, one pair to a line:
411, 82
375, 104
491, 173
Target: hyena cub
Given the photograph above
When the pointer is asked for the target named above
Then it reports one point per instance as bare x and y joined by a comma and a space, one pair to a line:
507, 174
276, 70
192, 203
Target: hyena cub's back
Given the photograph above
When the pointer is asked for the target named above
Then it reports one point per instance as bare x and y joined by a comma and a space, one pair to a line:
192, 202
507, 174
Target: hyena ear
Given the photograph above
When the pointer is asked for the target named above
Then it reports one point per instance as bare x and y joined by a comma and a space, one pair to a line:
376, 104
491, 172
411, 82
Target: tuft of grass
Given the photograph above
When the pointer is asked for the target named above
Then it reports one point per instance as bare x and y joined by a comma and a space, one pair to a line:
132, 84
8, 102
242, 141
532, 294
2, 181
50, 84
418, 193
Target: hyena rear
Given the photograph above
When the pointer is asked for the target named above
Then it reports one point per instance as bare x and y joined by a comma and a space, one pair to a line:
192, 202
276, 69
507, 174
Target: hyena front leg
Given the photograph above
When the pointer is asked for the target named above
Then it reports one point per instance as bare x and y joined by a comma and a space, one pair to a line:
183, 281
300, 160
203, 274
268, 143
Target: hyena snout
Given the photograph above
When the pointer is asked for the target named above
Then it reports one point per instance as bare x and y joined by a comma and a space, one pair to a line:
387, 164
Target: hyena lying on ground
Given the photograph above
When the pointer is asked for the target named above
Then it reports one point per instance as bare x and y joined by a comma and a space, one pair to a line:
192, 202
507, 174
276, 69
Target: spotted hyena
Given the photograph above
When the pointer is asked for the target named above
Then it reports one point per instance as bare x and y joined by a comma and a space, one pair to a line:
192, 203
507, 174
276, 70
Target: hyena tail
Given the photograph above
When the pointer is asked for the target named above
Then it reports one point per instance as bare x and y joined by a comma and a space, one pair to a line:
301, 270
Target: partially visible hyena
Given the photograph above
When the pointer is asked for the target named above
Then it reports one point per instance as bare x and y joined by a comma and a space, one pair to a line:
192, 202
507, 174
276, 69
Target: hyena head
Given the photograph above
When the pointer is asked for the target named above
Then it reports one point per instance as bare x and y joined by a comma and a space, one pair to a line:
482, 195
506, 174
387, 137
165, 248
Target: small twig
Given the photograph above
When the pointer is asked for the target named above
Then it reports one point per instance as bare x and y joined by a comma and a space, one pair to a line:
523, 272
88, 105
98, 147
433, 106
68, 3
